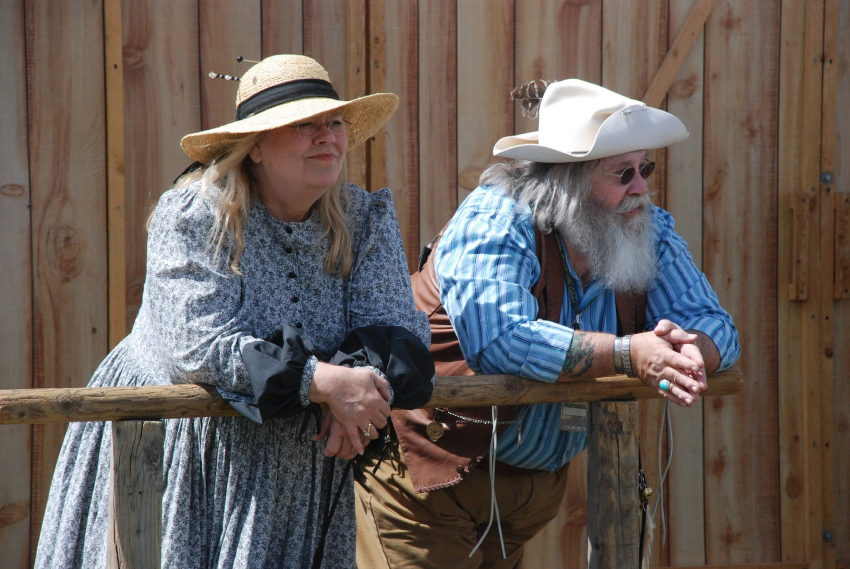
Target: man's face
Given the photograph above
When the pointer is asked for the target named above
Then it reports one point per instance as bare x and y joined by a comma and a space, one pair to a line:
609, 192
614, 230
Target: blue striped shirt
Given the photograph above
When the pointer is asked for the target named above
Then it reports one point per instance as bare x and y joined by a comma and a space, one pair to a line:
486, 266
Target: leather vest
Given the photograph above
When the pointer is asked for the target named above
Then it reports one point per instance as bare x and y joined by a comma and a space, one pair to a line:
463, 445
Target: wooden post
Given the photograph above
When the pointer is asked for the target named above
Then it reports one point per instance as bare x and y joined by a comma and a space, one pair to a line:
613, 502
135, 495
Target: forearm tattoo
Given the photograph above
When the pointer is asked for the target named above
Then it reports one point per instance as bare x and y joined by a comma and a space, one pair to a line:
579, 357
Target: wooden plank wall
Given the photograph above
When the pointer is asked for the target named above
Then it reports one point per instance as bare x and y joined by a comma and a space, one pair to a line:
15, 275
745, 485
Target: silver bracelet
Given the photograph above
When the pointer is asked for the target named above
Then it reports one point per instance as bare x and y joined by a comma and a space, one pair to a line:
618, 355
627, 356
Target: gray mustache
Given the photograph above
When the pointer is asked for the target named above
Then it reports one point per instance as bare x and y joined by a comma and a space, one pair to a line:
631, 202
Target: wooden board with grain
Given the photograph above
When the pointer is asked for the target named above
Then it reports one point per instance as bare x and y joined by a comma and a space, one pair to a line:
841, 183
485, 77
68, 183
162, 103
226, 30
437, 116
282, 27
741, 105
631, 56
566, 43
16, 284
399, 28
686, 491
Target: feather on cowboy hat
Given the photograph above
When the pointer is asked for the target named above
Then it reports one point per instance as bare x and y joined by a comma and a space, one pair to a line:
284, 90
582, 121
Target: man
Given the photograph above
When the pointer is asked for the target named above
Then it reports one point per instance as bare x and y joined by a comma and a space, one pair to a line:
582, 179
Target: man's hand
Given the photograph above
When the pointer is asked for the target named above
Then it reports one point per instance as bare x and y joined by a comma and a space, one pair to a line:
670, 353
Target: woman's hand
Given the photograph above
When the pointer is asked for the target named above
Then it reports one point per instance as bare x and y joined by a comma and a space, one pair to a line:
668, 352
338, 444
357, 398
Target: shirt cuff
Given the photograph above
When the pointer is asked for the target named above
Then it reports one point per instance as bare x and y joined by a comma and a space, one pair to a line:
307, 380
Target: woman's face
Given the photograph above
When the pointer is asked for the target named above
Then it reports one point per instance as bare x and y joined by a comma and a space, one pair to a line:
294, 169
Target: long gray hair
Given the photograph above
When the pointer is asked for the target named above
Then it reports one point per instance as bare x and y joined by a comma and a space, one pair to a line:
554, 192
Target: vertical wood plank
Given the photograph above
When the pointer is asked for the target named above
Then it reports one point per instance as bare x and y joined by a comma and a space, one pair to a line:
634, 43
401, 65
839, 16
790, 314
16, 284
162, 103
283, 22
686, 491
134, 534
325, 38
557, 39
437, 116
227, 29
613, 501
357, 79
739, 258
378, 84
485, 77
68, 177
828, 19
116, 219
331, 29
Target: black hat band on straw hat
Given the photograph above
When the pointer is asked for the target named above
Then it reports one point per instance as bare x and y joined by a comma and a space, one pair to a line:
284, 93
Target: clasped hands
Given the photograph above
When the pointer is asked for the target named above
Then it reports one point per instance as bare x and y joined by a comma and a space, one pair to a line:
669, 352
357, 400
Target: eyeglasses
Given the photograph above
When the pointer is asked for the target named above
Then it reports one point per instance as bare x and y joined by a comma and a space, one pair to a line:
336, 126
628, 174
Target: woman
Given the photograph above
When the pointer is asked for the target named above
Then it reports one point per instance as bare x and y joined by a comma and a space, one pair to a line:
261, 264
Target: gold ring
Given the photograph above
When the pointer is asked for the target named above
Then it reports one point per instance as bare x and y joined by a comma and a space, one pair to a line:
368, 430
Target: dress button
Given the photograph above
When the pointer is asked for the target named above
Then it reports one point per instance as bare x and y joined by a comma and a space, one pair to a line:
288, 229
288, 249
292, 275
294, 299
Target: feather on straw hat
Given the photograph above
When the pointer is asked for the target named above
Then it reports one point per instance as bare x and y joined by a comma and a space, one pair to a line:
582, 121
284, 90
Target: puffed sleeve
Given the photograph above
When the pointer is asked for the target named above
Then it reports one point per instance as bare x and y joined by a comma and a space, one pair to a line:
193, 301
683, 295
379, 290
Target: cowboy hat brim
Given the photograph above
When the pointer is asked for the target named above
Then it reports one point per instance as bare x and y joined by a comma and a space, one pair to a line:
366, 116
638, 128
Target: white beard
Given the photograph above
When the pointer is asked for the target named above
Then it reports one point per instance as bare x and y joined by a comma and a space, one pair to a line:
620, 253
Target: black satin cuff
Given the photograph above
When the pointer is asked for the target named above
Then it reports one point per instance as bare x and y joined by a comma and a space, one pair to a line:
276, 366
398, 353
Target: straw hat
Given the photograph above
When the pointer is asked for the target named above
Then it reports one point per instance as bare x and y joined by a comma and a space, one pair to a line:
289, 89
582, 121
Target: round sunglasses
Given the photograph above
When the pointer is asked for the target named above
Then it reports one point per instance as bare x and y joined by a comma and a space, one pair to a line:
628, 174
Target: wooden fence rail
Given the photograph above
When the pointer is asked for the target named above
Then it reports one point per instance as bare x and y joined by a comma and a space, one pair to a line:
135, 499
34, 406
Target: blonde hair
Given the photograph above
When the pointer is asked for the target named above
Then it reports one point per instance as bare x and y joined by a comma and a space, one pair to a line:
237, 193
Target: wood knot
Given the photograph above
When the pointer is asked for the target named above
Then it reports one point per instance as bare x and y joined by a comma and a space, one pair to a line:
16, 512
12, 190
67, 251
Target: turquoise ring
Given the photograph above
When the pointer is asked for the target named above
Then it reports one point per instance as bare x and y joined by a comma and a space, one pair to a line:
665, 385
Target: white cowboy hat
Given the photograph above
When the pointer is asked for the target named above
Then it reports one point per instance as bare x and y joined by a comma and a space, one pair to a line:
289, 89
582, 121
